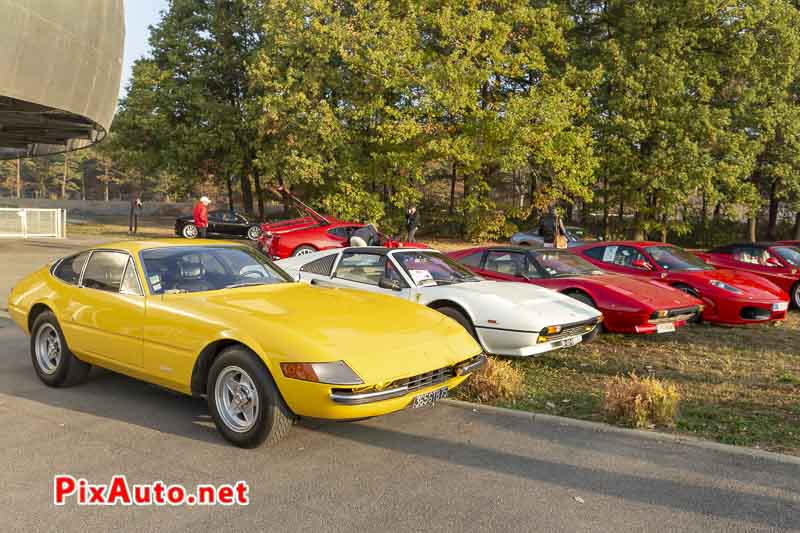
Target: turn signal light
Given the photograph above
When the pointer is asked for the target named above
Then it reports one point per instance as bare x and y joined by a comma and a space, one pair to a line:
552, 330
302, 371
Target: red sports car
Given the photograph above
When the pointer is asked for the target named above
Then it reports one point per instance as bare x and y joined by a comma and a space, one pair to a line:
778, 263
730, 297
312, 233
629, 305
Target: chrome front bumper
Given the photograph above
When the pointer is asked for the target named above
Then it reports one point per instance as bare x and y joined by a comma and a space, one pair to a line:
359, 398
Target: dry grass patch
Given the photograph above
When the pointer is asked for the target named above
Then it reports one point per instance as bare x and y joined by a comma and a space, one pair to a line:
641, 402
498, 381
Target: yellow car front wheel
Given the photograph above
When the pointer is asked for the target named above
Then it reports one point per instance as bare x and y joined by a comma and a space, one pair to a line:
244, 401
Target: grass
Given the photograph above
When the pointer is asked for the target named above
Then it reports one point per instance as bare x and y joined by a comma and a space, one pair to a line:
117, 227
737, 385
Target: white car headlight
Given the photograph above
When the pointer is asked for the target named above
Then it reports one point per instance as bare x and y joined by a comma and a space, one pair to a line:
334, 373
725, 286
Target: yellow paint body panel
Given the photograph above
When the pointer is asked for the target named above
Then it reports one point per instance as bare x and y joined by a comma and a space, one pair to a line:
158, 338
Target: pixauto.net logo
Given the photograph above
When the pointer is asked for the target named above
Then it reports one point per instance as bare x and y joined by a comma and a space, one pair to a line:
119, 492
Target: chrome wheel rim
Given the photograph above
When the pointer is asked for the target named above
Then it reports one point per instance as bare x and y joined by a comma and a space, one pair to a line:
797, 297
304, 251
253, 233
48, 348
190, 232
236, 398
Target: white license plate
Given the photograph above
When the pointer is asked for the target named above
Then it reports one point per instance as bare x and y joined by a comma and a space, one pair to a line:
666, 327
429, 398
780, 306
566, 343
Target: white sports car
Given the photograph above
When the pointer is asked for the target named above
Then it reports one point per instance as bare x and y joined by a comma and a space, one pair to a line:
515, 319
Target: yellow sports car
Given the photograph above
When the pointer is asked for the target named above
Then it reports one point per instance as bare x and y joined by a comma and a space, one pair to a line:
221, 320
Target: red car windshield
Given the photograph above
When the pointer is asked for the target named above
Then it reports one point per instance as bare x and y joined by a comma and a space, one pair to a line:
789, 254
433, 268
673, 258
559, 263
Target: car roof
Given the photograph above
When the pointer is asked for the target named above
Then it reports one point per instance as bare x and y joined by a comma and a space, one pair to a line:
627, 243
135, 246
759, 244
383, 250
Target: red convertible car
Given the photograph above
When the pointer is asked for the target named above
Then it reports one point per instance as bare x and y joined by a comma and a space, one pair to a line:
780, 264
629, 305
312, 233
730, 297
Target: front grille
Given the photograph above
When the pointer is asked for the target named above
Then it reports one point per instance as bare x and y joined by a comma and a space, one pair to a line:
420, 381
681, 311
755, 313
570, 330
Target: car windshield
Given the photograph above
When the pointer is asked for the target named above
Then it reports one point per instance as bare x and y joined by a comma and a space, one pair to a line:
790, 254
433, 268
673, 258
560, 263
180, 269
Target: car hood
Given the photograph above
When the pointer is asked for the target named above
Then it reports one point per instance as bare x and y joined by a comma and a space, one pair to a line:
753, 286
650, 293
380, 337
512, 305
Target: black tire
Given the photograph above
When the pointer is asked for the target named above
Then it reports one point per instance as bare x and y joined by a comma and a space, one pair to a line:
459, 317
794, 296
69, 370
253, 233
273, 419
189, 231
303, 250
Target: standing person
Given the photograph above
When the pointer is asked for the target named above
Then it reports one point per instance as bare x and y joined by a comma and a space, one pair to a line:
201, 216
411, 223
133, 216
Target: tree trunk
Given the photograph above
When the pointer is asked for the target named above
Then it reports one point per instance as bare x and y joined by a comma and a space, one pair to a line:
105, 178
64, 178
704, 219
751, 227
259, 195
247, 193
774, 203
605, 206
19, 178
229, 183
797, 226
453, 178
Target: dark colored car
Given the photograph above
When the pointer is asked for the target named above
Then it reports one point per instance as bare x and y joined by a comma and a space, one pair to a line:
220, 222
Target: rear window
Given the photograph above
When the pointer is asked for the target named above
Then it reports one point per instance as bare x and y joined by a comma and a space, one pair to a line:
69, 269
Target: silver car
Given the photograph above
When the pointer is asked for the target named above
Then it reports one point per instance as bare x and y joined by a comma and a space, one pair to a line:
533, 238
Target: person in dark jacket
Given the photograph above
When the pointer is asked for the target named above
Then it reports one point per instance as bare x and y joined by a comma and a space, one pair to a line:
365, 236
133, 216
412, 223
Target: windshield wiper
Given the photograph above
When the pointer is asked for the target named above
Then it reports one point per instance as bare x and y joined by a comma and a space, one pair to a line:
243, 284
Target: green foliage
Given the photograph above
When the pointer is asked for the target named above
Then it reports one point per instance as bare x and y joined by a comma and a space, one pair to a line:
353, 203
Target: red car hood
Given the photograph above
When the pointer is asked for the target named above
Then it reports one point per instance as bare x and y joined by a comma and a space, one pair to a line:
648, 292
753, 286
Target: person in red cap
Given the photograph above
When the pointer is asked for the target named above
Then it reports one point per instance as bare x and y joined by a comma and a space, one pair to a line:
201, 216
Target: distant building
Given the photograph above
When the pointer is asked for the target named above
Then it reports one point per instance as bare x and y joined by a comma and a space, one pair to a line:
60, 70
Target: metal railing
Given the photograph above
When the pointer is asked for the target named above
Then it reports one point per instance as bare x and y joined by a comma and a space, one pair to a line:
31, 222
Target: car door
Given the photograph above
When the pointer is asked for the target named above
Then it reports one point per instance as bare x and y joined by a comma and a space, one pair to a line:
107, 322
364, 271
340, 235
215, 223
504, 265
756, 260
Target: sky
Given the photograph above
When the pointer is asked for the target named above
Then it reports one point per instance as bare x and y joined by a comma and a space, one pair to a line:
139, 14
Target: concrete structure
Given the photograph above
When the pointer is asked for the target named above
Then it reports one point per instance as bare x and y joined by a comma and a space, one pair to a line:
61, 65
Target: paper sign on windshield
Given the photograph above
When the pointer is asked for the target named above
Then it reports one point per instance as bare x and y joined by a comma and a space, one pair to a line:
420, 276
609, 253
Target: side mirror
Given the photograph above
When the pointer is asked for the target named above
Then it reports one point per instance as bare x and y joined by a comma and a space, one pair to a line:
773, 262
641, 263
391, 284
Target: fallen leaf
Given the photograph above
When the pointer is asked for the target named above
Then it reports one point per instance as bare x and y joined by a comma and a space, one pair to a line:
578, 499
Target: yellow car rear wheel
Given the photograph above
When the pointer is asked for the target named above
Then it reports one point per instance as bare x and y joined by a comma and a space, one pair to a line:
244, 401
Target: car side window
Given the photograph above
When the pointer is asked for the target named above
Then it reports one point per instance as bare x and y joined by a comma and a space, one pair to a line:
509, 263
755, 256
630, 257
215, 216
362, 268
229, 217
104, 270
342, 232
393, 274
69, 270
472, 260
130, 280
597, 253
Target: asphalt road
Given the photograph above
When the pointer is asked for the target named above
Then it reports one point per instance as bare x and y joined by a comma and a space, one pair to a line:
441, 469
